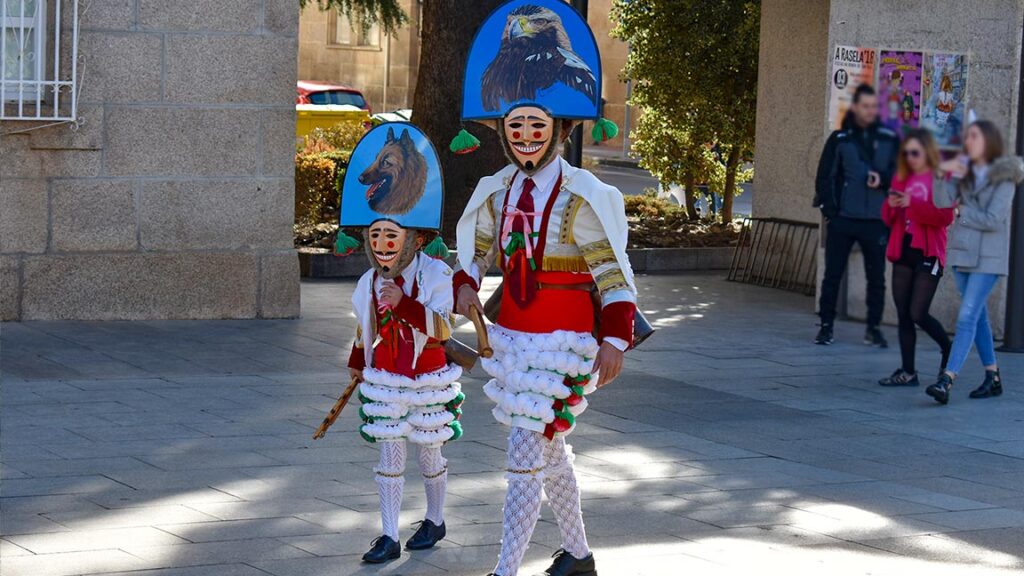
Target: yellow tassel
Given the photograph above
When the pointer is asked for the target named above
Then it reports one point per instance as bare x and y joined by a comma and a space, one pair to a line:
566, 264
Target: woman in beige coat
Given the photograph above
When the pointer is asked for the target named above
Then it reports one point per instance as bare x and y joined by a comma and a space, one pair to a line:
982, 189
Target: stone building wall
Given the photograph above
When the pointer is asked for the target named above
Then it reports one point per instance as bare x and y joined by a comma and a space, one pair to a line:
797, 37
173, 198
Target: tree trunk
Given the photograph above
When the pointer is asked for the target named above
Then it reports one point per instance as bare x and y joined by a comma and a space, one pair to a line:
732, 164
690, 194
448, 27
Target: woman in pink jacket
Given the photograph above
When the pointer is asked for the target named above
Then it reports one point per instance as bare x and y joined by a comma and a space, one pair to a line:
917, 249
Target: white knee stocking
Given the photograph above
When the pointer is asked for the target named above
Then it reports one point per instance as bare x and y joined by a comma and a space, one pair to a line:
389, 485
564, 496
522, 501
434, 468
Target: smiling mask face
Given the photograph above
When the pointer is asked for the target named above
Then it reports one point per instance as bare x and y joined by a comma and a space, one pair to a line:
391, 248
529, 136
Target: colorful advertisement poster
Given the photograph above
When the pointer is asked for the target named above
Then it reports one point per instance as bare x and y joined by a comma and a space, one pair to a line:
899, 89
851, 67
944, 102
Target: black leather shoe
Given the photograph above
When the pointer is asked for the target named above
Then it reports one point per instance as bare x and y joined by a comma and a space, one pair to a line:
566, 564
940, 390
384, 549
873, 337
899, 378
426, 536
992, 386
824, 337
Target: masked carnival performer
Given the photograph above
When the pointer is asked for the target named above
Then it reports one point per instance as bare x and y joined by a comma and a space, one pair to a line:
403, 305
556, 232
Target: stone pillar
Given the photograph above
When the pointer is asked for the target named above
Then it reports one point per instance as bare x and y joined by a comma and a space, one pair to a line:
174, 197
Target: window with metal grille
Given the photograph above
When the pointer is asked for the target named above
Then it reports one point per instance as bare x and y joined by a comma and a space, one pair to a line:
38, 60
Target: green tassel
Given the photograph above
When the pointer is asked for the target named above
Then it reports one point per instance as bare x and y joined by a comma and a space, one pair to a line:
464, 143
577, 390
437, 249
456, 427
345, 244
604, 129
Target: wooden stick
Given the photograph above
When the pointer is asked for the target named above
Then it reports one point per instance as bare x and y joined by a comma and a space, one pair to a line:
483, 344
336, 409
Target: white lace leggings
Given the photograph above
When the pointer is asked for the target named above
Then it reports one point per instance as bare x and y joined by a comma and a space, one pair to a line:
536, 465
391, 481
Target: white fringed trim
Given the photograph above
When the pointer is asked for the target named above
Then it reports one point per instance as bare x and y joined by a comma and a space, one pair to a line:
431, 437
410, 398
539, 382
528, 423
387, 431
383, 410
527, 404
438, 378
503, 339
429, 419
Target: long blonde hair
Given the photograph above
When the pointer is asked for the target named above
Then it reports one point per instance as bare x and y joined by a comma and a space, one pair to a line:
931, 151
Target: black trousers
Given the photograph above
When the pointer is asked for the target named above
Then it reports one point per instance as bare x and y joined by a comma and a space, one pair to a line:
872, 237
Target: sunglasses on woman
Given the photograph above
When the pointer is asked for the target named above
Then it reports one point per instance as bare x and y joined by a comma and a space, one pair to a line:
912, 153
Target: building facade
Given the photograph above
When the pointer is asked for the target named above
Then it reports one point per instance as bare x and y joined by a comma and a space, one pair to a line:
797, 38
170, 195
335, 50
383, 67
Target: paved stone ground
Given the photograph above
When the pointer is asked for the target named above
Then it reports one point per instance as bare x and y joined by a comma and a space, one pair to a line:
731, 445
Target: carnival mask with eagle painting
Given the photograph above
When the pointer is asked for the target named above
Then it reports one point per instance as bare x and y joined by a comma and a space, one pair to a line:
533, 52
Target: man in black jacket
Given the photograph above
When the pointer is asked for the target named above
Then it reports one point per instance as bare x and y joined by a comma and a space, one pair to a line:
853, 179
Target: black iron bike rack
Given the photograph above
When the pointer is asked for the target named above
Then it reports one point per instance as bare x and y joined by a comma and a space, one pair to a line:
777, 253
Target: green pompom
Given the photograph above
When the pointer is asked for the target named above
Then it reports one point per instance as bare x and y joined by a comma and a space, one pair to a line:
345, 244
456, 427
454, 402
437, 249
464, 143
604, 129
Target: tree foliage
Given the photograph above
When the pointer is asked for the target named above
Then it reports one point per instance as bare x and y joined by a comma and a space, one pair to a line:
694, 68
388, 14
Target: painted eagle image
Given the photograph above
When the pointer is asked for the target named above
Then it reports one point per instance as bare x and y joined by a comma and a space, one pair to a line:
535, 53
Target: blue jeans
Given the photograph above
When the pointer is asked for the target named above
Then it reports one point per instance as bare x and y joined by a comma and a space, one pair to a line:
972, 324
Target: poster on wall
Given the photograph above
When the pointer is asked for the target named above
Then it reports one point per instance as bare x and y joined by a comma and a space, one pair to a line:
851, 67
899, 89
944, 102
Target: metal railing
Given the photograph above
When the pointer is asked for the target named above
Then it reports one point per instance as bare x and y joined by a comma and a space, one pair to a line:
777, 253
37, 83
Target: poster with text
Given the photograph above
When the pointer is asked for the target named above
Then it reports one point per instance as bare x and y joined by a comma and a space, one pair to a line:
899, 89
851, 67
944, 101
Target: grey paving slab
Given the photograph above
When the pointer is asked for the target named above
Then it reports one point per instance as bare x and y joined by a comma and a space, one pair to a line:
184, 448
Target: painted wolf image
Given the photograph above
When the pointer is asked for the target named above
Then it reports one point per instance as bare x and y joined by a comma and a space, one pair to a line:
397, 177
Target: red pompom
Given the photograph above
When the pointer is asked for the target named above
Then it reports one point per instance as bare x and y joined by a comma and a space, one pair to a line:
561, 425
574, 399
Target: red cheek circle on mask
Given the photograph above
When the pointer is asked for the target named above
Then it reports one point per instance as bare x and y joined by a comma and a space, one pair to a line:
536, 135
516, 134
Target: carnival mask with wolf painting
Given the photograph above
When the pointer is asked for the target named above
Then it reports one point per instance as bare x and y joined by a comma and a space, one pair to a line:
530, 137
397, 178
390, 247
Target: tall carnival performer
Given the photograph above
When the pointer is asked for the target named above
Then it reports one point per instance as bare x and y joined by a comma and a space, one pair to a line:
403, 305
557, 233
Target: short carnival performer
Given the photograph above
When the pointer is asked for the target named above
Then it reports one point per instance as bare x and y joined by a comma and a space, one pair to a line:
403, 305
557, 233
